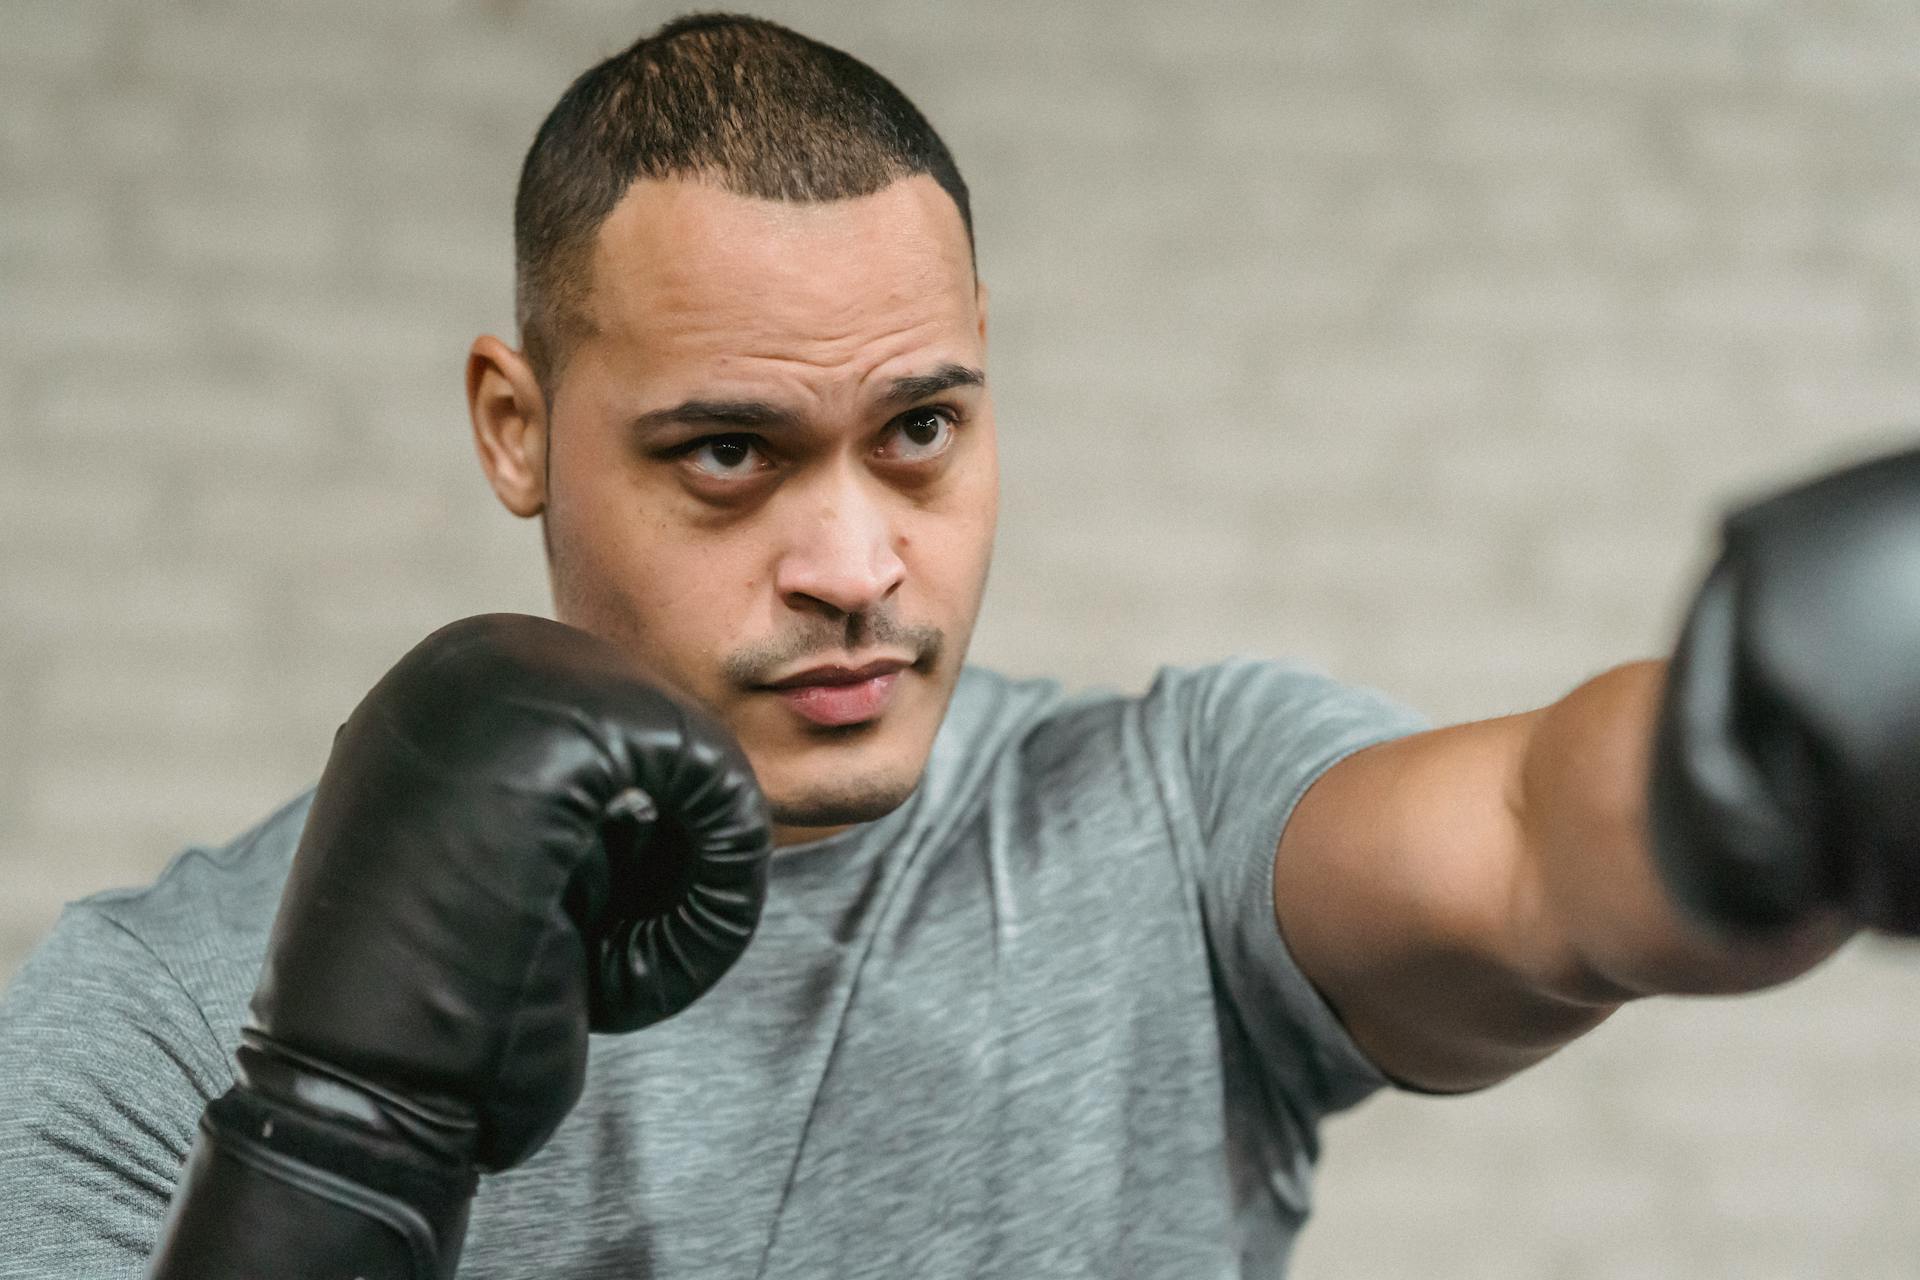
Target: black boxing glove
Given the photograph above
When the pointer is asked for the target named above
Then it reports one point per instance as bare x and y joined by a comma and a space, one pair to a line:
1786, 762
514, 842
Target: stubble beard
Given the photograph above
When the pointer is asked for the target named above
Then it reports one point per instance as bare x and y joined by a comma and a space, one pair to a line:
865, 800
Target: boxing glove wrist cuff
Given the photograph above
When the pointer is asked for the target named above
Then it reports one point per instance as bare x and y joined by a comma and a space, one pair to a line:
271, 1070
272, 1190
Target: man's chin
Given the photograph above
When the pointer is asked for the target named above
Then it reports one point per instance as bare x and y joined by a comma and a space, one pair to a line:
841, 806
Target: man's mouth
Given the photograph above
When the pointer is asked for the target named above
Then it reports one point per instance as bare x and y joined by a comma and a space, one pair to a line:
839, 695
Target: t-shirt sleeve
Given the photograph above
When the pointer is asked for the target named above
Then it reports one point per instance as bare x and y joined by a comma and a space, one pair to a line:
105, 1066
1255, 735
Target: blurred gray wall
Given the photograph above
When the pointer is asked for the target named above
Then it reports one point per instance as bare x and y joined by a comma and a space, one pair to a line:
1422, 341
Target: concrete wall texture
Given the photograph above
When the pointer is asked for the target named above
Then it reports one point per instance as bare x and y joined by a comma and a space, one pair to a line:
1421, 341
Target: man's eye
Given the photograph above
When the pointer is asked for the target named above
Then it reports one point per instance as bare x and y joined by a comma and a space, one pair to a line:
731, 455
925, 433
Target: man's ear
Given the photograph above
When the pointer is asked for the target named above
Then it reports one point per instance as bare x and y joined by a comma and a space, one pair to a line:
509, 424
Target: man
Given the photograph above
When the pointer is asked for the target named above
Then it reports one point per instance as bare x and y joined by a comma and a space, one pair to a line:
1044, 986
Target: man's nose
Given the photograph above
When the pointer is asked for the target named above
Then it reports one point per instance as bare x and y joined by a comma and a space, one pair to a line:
841, 550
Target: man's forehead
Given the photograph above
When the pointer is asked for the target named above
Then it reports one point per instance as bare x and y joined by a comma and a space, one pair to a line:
692, 233
689, 274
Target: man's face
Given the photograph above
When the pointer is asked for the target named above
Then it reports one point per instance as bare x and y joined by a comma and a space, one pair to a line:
775, 454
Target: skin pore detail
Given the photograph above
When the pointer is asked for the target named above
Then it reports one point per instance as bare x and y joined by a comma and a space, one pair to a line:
771, 450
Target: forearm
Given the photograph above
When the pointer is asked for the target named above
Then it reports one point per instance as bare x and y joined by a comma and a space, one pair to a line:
1584, 816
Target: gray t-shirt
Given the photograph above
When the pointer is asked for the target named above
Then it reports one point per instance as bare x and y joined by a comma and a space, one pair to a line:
1037, 1022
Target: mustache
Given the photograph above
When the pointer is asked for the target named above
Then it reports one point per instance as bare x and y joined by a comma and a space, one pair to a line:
759, 663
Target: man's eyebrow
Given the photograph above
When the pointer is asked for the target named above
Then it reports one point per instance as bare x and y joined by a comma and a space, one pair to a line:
759, 415
904, 391
739, 414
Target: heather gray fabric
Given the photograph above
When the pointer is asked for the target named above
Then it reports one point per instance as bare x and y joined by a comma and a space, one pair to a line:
1037, 1022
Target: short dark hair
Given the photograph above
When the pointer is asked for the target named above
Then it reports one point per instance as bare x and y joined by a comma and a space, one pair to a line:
748, 104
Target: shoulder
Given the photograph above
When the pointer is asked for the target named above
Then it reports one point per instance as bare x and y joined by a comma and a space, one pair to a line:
196, 934
1244, 684
1267, 714
1214, 754
1191, 715
210, 895
92, 1006
1132, 756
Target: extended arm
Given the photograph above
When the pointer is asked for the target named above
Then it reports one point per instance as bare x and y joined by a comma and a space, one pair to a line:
1472, 898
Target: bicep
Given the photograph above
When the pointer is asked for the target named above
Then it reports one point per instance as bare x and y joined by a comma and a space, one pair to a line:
1403, 889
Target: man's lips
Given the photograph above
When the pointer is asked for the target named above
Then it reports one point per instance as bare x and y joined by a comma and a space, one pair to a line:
834, 675
840, 695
